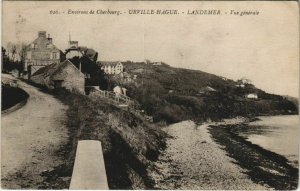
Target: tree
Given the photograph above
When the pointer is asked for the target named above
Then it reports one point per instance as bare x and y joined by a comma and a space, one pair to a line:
6, 65
16, 54
12, 51
95, 76
21, 50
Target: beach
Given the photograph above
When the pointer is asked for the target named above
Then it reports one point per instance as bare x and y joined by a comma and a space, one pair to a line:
210, 156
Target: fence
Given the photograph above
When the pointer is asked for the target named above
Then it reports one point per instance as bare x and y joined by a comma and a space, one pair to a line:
118, 98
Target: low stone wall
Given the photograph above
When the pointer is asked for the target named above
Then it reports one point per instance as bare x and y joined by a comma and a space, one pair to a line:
89, 169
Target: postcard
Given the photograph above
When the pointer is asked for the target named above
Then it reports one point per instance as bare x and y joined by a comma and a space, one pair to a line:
188, 95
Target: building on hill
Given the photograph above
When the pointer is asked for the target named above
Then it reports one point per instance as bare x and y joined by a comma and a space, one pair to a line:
118, 90
80, 51
85, 59
60, 75
207, 90
251, 96
157, 63
110, 67
41, 52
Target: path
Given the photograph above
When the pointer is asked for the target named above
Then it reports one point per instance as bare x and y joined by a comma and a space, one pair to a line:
30, 136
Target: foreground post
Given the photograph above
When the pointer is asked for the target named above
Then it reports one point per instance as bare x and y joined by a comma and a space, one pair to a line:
89, 170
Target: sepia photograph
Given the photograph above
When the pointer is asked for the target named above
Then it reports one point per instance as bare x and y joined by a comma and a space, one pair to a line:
150, 95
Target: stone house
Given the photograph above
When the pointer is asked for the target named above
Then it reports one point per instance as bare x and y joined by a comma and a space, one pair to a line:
85, 59
61, 75
110, 67
41, 52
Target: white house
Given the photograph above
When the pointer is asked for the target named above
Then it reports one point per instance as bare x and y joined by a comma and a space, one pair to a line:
156, 63
112, 67
251, 96
117, 90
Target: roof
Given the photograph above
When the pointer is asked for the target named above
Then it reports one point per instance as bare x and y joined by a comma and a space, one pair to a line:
39, 39
52, 69
109, 63
207, 89
46, 70
91, 53
88, 52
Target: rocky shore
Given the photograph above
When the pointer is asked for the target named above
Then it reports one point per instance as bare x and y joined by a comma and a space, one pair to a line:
262, 166
193, 160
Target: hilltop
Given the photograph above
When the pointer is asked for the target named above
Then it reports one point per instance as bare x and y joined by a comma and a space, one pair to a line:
174, 94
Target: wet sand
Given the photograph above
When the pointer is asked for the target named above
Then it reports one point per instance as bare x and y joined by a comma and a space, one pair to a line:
192, 160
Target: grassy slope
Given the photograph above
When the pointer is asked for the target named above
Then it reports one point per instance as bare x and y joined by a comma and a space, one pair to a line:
129, 143
152, 88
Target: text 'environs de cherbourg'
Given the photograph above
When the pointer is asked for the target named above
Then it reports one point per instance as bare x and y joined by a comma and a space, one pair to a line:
157, 12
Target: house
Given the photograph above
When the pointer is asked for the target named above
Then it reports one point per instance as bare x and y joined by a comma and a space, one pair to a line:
207, 90
41, 52
60, 75
157, 64
240, 85
118, 90
251, 96
85, 59
80, 51
110, 67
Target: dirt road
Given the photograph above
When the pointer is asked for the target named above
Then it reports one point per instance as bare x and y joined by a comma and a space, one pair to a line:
30, 138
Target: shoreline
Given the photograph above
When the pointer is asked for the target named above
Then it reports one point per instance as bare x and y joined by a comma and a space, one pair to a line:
189, 162
194, 166
263, 166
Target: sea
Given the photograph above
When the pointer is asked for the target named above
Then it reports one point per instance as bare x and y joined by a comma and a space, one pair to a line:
279, 134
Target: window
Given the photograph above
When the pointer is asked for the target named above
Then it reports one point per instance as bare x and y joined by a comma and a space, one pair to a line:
54, 55
33, 45
58, 83
28, 55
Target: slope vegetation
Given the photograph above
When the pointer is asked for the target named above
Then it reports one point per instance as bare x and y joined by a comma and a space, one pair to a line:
173, 94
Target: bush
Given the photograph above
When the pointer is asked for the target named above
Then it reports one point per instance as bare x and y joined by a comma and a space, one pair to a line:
12, 96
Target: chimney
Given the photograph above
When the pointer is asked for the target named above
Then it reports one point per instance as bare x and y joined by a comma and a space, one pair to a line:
42, 34
49, 39
73, 44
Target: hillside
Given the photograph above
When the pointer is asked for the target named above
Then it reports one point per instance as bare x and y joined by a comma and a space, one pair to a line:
130, 144
174, 94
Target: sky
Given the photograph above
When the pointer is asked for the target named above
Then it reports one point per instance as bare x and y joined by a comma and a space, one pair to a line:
263, 48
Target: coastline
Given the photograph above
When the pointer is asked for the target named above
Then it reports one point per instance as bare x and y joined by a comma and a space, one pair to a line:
262, 165
198, 163
216, 158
